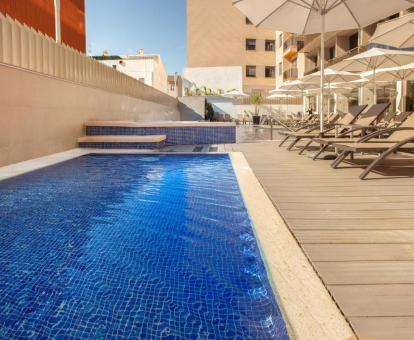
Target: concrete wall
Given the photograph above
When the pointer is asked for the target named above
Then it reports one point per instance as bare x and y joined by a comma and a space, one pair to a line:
192, 108
40, 115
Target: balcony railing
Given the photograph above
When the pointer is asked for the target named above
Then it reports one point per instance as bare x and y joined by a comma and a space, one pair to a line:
336, 60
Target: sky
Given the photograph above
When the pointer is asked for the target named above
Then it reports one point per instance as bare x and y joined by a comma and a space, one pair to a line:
126, 26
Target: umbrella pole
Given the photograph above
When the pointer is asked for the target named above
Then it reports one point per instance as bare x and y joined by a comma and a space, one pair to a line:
322, 69
374, 74
303, 105
329, 102
287, 106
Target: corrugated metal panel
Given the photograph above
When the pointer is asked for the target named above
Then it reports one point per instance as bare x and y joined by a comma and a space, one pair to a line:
38, 14
72, 17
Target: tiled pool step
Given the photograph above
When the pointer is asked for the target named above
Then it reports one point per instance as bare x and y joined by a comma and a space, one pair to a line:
122, 142
177, 133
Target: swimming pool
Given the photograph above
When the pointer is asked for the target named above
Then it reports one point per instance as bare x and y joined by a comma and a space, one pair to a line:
132, 246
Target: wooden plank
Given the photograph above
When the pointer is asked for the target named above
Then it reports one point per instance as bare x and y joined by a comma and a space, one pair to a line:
350, 224
375, 300
332, 214
349, 207
359, 252
384, 328
355, 236
366, 272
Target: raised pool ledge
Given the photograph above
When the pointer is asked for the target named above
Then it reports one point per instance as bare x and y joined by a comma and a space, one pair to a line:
176, 132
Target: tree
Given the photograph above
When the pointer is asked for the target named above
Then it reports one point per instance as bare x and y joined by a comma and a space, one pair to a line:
256, 99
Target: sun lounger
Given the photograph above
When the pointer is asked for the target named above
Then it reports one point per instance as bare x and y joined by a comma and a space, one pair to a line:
399, 139
362, 125
347, 119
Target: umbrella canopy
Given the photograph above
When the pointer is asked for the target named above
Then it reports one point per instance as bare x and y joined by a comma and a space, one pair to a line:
280, 95
318, 16
332, 76
401, 73
298, 85
397, 32
235, 94
304, 16
374, 59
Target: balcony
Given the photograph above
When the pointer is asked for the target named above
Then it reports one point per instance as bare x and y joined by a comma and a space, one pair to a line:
292, 46
336, 60
290, 74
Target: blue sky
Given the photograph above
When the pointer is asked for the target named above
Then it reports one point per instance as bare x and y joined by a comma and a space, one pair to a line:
125, 26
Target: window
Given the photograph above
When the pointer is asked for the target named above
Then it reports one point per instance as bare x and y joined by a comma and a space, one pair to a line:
353, 41
270, 72
280, 39
250, 44
269, 45
251, 71
248, 22
280, 69
172, 86
332, 53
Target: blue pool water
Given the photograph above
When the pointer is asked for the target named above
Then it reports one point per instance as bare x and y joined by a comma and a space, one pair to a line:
132, 247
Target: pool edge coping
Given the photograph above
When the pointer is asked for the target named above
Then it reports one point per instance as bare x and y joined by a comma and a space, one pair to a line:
308, 315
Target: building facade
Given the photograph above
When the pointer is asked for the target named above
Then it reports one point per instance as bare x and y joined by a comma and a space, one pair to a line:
62, 20
219, 37
147, 68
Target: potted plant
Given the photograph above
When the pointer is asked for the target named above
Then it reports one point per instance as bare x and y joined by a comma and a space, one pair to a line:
256, 99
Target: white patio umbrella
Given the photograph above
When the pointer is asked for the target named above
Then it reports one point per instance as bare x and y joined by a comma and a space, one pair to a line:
299, 85
280, 93
402, 73
373, 60
331, 76
318, 16
397, 32
235, 94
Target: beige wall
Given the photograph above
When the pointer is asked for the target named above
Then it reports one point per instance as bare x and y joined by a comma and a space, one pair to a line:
40, 115
216, 36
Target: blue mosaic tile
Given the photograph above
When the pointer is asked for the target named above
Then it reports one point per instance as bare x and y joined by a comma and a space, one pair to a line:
107, 145
132, 247
175, 135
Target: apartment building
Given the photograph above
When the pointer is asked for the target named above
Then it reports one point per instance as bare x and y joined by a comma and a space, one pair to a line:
147, 68
62, 20
225, 51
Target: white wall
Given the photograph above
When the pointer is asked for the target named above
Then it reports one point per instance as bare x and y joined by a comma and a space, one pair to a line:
225, 78
149, 70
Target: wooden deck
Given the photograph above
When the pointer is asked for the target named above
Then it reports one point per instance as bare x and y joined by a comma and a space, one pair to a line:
359, 235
